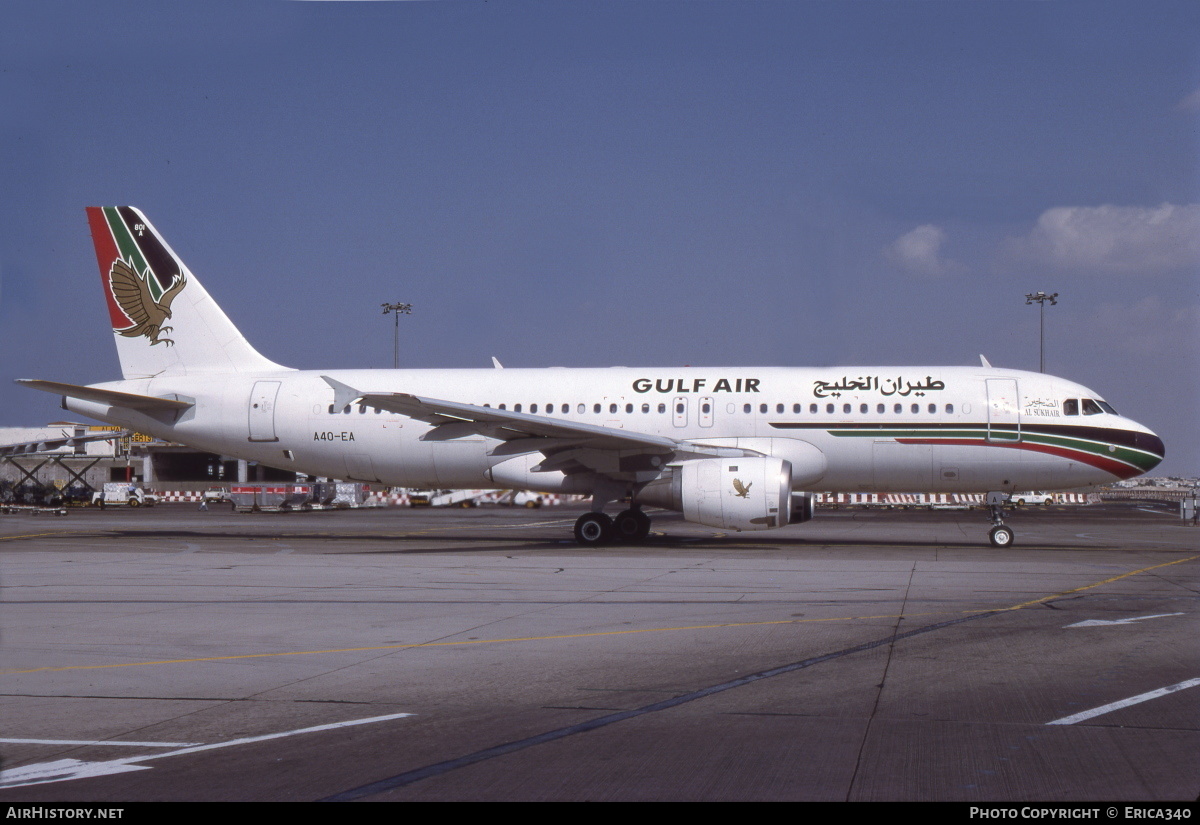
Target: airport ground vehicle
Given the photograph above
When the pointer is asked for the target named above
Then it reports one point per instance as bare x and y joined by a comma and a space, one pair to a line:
124, 493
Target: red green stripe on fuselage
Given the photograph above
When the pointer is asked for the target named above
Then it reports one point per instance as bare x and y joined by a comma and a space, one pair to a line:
1118, 452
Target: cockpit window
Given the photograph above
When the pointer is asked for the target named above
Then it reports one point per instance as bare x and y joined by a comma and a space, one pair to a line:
1108, 408
1090, 407
1071, 406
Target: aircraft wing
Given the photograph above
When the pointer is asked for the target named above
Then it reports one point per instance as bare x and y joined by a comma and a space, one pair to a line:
570, 446
47, 444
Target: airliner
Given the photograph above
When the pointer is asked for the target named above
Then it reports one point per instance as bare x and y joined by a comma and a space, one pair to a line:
735, 448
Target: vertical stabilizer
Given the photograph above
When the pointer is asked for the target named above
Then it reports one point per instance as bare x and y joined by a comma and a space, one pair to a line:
163, 320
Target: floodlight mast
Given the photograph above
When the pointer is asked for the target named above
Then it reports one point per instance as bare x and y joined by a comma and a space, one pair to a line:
1041, 298
397, 309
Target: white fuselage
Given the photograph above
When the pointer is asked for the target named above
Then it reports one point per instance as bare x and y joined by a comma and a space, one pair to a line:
945, 429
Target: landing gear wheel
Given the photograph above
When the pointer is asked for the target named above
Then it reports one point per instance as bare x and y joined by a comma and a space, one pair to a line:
593, 529
1001, 536
631, 525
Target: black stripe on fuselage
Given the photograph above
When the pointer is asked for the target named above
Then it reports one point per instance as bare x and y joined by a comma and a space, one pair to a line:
1110, 435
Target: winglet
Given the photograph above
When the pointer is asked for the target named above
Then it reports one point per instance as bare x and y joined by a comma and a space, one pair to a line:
343, 394
984, 361
496, 363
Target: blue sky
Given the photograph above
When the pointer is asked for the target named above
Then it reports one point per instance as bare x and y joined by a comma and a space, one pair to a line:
637, 183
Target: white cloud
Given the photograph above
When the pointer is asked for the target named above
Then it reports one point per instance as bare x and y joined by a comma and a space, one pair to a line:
1190, 103
1121, 240
919, 252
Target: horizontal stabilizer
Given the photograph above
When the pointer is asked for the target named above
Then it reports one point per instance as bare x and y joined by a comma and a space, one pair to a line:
129, 400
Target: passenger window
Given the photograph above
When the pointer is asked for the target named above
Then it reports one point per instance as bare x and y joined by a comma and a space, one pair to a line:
829, 408
862, 408
932, 408
846, 409
646, 408
899, 408
533, 408
796, 409
628, 408
612, 408
581, 409
916, 408
880, 408
504, 406
778, 408
746, 408
1071, 406
331, 409
949, 408
516, 407
762, 408
812, 408
1090, 407
595, 408
662, 408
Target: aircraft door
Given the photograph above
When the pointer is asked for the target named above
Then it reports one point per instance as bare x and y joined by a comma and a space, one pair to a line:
679, 410
1004, 410
262, 411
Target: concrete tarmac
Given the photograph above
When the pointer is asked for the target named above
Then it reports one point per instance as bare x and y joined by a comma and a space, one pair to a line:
172, 654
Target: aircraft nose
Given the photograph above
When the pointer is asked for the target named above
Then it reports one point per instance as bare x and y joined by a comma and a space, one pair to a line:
1151, 443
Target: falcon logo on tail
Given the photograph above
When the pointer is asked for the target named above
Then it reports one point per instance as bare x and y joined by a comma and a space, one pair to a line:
133, 295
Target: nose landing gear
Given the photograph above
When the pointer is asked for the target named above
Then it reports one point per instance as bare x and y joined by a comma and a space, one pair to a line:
1000, 535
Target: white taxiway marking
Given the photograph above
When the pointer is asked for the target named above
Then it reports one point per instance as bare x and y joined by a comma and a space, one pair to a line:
1124, 703
118, 743
64, 769
1131, 620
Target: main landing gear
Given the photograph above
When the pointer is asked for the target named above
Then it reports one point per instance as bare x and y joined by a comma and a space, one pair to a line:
1000, 534
593, 529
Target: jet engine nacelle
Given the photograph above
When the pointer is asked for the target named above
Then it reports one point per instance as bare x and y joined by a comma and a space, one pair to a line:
745, 493
802, 508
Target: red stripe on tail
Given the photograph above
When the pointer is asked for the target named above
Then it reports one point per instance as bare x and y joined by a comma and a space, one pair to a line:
106, 254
